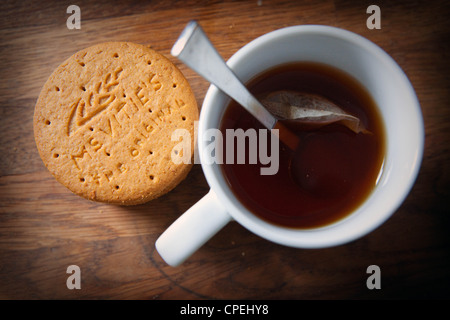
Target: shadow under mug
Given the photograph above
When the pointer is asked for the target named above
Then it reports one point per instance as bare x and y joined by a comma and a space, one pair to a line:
404, 130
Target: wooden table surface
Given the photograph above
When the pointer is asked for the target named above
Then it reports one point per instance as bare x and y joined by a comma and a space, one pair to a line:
44, 228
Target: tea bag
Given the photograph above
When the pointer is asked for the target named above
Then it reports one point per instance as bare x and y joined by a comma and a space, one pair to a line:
309, 110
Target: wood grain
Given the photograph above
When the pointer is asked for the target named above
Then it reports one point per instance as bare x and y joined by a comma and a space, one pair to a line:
44, 228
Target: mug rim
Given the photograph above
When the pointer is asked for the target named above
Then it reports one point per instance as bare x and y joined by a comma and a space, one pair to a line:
316, 237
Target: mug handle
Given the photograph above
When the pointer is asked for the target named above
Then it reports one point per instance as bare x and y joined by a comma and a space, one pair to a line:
192, 229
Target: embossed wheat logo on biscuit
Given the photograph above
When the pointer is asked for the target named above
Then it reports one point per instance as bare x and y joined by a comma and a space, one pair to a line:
95, 100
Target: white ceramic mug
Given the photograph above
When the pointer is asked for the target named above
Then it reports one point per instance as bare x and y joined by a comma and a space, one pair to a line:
400, 110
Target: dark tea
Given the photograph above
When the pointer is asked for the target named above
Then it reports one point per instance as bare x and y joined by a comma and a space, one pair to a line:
331, 172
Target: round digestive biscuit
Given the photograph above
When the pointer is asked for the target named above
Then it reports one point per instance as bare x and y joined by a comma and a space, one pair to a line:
104, 120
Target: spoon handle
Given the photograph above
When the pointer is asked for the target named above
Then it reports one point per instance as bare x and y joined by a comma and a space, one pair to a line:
195, 49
